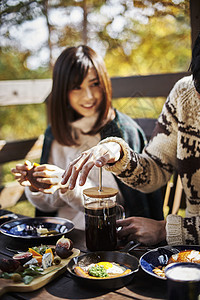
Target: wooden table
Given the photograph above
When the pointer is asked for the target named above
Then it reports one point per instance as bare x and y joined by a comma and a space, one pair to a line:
143, 286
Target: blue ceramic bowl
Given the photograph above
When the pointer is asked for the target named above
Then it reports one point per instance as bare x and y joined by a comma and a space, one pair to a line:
155, 258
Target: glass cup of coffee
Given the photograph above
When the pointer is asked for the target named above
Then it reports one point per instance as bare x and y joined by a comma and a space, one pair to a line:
101, 212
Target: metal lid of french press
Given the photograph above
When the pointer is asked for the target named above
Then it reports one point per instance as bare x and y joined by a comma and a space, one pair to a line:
99, 191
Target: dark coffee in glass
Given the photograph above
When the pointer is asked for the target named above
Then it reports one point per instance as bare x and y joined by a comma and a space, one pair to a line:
100, 225
101, 212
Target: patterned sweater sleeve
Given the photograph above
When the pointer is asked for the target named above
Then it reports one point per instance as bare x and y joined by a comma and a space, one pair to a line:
151, 169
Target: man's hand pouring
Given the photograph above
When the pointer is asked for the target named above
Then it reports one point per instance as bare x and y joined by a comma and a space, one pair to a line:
99, 155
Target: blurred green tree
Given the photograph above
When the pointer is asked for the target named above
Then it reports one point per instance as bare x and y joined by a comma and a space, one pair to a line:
135, 37
116, 28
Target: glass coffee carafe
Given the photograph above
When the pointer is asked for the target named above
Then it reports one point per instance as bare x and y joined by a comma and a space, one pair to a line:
101, 212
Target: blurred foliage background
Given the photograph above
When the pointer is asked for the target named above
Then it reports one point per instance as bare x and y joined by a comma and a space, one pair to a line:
135, 37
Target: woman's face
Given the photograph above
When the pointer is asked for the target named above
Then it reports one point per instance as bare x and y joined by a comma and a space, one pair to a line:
86, 98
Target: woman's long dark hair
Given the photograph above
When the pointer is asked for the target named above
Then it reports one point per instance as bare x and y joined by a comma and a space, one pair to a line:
195, 62
69, 71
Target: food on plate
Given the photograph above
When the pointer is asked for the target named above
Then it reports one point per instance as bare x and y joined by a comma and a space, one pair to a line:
160, 271
185, 256
101, 270
23, 257
16, 277
9, 265
47, 260
33, 180
37, 260
36, 255
57, 260
64, 247
32, 261
182, 256
38, 230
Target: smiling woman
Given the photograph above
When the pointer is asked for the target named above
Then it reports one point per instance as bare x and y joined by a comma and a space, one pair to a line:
81, 114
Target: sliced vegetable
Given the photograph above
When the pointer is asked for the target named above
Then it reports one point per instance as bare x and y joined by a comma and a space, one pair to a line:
36, 255
49, 250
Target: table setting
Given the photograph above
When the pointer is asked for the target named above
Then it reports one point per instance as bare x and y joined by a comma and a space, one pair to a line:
73, 288
76, 264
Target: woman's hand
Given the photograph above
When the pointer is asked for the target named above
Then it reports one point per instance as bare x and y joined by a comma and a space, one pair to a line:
49, 174
144, 230
99, 156
20, 172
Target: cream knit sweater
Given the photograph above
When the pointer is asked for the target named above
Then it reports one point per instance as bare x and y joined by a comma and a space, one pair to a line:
70, 205
175, 145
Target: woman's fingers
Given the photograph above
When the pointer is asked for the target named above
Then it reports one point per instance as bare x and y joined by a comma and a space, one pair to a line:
50, 180
46, 174
18, 172
48, 171
24, 182
51, 190
45, 167
18, 176
74, 167
98, 156
81, 165
84, 173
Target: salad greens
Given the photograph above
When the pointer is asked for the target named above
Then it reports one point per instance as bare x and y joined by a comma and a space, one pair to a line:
27, 275
40, 249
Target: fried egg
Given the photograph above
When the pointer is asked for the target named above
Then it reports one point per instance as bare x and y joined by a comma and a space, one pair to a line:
101, 270
111, 268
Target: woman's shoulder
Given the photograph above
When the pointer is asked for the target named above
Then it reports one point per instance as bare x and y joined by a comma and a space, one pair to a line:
124, 119
121, 116
131, 131
48, 132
